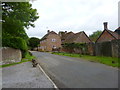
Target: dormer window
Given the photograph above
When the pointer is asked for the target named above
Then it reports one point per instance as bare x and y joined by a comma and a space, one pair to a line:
53, 40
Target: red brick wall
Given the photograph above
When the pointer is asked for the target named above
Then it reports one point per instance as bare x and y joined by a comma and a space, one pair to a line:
48, 43
105, 37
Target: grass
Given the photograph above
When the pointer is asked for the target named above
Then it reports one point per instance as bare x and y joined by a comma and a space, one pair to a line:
27, 58
111, 61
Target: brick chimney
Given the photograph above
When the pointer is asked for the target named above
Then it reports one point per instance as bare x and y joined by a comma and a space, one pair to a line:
105, 25
48, 31
65, 32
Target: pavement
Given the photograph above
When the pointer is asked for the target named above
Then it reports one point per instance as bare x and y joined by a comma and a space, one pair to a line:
68, 72
24, 76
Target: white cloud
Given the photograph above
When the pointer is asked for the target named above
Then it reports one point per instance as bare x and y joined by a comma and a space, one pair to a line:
74, 15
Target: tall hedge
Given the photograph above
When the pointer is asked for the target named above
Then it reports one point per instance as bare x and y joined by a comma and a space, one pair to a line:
15, 42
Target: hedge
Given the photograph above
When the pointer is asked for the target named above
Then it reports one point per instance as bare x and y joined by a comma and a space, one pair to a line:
15, 42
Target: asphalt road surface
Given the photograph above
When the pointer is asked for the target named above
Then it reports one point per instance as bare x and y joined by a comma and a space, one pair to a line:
68, 72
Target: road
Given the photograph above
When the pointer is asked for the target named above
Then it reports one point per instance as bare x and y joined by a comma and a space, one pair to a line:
68, 72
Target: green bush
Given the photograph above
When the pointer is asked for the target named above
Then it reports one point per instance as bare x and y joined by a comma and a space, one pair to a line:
15, 42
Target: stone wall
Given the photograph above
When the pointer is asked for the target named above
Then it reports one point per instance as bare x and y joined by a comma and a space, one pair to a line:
10, 55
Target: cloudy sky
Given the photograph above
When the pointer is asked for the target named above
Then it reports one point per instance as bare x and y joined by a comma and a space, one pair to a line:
74, 15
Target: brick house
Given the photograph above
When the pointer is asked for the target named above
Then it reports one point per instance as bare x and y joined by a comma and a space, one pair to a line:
71, 37
79, 37
107, 35
50, 41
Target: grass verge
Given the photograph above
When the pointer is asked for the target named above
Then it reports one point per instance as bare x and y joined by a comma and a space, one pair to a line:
111, 61
27, 58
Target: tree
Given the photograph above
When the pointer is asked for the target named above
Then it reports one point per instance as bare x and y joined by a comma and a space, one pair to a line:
95, 35
16, 17
34, 42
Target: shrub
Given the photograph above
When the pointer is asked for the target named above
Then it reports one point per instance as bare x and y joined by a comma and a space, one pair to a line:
15, 42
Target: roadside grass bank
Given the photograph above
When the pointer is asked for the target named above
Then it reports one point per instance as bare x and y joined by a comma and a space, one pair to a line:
111, 61
27, 58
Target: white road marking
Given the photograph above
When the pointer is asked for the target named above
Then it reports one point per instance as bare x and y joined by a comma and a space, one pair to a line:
54, 85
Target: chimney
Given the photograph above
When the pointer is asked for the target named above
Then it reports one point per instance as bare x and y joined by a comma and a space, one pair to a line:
48, 31
105, 25
65, 32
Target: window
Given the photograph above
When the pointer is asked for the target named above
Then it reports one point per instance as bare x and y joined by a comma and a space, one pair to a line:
53, 40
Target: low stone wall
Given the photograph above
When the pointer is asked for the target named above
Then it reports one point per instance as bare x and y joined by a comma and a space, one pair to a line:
10, 55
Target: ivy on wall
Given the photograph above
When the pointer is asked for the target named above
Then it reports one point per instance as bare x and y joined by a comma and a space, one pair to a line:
79, 46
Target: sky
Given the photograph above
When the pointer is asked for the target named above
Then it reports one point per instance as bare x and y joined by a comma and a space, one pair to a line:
74, 15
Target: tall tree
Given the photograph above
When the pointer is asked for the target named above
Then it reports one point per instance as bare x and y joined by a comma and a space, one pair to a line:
16, 17
95, 35
34, 42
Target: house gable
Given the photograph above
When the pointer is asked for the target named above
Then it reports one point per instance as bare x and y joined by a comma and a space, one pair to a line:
50, 40
82, 38
105, 36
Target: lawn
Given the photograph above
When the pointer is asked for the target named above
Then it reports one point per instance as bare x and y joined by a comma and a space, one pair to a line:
111, 61
27, 58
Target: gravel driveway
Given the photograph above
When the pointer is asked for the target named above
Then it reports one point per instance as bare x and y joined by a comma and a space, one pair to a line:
24, 76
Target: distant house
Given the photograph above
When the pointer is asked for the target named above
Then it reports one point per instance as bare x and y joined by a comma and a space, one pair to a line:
50, 41
71, 37
107, 35
65, 35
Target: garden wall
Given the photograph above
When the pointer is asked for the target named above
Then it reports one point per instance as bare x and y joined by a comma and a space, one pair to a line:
10, 55
110, 48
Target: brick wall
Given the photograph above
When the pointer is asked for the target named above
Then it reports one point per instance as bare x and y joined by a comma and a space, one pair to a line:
105, 37
48, 43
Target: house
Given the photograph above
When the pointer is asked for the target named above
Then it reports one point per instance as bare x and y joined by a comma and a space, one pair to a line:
71, 37
50, 41
107, 35
65, 35
79, 37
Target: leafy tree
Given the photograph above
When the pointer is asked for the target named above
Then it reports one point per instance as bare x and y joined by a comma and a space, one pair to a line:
21, 11
95, 35
16, 17
34, 42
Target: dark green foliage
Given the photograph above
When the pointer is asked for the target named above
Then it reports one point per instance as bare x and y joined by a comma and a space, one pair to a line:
15, 42
95, 35
74, 45
80, 46
17, 16
34, 42
21, 11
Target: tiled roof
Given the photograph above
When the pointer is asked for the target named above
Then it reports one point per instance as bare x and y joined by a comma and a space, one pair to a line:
66, 35
118, 30
114, 34
45, 37
72, 38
